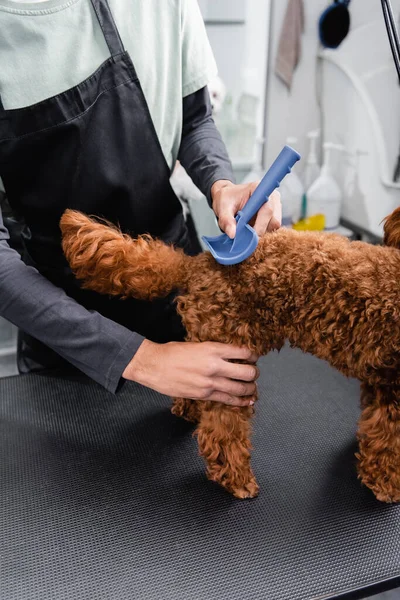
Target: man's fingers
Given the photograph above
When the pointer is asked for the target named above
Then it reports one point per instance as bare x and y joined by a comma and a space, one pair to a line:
274, 224
276, 220
235, 198
231, 400
234, 388
269, 217
252, 187
230, 352
263, 219
240, 372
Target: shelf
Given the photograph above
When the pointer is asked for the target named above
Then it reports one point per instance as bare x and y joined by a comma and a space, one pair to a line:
224, 22
8, 351
361, 232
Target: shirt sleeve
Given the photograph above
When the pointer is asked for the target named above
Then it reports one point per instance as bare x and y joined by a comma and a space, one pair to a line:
97, 346
198, 63
202, 152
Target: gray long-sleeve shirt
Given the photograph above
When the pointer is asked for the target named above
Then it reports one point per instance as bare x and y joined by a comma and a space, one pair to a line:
97, 346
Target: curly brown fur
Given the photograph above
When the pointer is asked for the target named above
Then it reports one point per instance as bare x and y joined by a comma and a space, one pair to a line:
379, 442
336, 299
113, 263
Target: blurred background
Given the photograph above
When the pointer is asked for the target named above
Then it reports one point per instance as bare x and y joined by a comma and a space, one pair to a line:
338, 106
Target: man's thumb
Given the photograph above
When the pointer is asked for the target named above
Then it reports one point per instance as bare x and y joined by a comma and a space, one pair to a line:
228, 224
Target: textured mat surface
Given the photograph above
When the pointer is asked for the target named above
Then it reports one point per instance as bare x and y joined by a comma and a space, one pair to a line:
104, 497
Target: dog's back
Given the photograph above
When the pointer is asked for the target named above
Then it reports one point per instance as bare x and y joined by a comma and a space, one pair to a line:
336, 299
342, 299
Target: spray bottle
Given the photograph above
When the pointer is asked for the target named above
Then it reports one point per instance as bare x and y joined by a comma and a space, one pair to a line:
325, 196
311, 170
292, 192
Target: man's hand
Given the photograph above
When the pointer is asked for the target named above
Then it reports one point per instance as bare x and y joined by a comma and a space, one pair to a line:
199, 371
228, 199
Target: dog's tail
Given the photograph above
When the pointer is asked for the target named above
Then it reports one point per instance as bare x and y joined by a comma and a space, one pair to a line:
392, 229
110, 262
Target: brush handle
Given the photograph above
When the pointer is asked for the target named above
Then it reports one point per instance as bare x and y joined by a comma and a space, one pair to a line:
271, 180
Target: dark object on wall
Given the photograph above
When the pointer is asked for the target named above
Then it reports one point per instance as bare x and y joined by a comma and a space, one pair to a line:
334, 24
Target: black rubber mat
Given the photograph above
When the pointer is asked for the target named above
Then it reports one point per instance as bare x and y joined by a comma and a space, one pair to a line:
104, 497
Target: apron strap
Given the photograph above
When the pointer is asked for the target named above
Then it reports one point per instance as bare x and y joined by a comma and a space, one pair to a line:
108, 26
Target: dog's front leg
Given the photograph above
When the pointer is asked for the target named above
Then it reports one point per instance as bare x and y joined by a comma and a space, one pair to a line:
379, 438
224, 441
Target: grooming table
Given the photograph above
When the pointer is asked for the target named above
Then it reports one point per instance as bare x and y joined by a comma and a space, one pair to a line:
104, 497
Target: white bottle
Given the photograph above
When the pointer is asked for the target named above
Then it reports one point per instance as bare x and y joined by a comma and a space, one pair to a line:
292, 192
312, 169
325, 196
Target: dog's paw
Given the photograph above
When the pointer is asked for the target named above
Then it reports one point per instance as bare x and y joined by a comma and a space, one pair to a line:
250, 490
383, 482
384, 490
388, 499
240, 489
388, 496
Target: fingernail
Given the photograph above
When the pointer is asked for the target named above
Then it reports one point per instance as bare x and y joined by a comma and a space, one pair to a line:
251, 402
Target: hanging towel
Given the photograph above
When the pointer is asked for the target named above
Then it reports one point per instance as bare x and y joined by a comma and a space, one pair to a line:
289, 48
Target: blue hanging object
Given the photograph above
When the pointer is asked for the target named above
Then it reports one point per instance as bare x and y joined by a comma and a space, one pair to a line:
334, 24
231, 252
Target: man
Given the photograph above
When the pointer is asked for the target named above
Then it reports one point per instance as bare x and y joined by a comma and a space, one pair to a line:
98, 101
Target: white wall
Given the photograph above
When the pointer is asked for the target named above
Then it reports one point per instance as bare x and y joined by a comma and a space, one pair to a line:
258, 15
240, 48
296, 113
293, 113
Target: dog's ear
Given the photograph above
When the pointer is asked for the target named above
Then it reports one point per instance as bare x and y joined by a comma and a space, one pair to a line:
392, 229
110, 262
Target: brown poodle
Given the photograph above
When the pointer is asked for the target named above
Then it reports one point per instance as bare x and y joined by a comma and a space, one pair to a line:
336, 299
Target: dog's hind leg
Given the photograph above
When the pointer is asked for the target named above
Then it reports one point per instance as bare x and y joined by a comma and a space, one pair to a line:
224, 441
379, 440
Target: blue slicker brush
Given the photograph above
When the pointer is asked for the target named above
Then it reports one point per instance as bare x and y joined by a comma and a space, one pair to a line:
231, 252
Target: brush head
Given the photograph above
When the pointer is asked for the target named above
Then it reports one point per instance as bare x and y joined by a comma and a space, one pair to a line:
232, 252
334, 25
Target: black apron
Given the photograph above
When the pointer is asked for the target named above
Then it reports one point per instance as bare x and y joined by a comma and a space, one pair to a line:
93, 148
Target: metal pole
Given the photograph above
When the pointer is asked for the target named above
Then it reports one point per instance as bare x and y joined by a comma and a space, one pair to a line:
267, 85
392, 33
